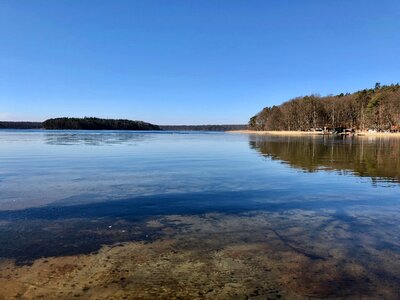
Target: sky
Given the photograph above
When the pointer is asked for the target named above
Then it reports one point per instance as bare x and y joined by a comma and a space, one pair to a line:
188, 61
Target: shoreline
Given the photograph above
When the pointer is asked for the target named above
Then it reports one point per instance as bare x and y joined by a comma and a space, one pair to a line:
301, 133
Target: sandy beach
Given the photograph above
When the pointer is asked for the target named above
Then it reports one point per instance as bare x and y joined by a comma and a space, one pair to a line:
298, 133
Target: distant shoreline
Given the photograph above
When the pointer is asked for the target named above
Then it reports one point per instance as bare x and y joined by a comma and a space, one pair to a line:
112, 124
305, 133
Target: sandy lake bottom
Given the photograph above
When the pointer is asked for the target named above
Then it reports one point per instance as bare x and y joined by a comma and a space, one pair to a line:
292, 255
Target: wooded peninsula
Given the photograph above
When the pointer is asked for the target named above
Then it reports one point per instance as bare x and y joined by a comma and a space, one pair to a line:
97, 124
376, 109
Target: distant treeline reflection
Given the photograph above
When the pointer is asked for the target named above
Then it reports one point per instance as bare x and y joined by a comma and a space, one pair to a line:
376, 158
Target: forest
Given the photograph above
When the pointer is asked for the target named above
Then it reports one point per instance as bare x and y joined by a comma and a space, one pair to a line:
203, 127
20, 125
375, 109
97, 124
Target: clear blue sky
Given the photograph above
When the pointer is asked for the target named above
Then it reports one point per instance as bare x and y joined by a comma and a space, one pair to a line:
188, 62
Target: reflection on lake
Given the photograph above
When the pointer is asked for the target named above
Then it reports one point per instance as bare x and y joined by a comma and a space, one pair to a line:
122, 215
378, 158
93, 139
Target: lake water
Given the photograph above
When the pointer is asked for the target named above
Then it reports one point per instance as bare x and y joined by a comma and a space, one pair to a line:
94, 214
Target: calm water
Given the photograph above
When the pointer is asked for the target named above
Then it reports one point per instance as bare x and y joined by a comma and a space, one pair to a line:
323, 212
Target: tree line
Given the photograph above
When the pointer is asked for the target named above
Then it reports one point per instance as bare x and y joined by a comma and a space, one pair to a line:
374, 109
107, 124
20, 125
97, 124
203, 127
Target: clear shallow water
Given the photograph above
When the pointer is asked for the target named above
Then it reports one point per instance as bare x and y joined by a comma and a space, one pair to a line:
67, 167
332, 204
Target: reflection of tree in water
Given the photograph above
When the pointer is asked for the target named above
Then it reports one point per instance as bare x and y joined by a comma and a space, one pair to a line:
376, 158
95, 139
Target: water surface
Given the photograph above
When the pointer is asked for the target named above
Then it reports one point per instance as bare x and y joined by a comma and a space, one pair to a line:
237, 216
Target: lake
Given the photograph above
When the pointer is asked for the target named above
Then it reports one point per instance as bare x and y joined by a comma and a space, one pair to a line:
198, 215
